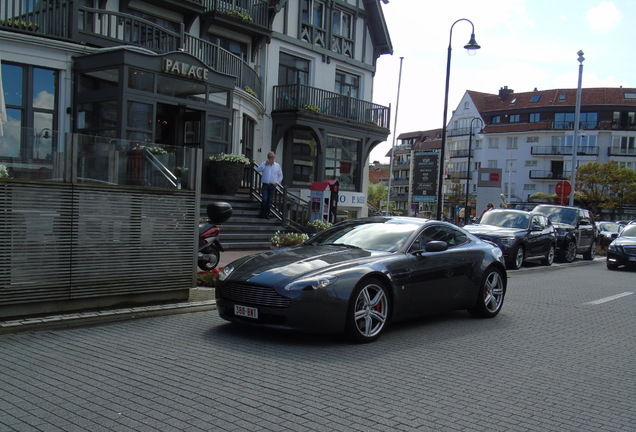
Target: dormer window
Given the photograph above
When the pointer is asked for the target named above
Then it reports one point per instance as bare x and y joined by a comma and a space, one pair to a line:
561, 98
535, 98
513, 101
630, 96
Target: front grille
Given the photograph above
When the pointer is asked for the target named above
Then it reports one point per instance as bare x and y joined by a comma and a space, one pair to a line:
253, 295
630, 250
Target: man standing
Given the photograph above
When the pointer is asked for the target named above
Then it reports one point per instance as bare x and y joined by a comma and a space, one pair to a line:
272, 176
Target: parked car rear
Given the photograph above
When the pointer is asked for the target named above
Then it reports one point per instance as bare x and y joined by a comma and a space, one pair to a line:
576, 230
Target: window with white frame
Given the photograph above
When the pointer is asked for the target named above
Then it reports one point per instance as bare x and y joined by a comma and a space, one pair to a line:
511, 143
313, 12
511, 165
532, 162
492, 163
493, 143
342, 24
532, 139
529, 186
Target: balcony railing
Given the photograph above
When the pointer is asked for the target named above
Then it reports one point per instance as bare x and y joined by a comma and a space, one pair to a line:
225, 62
564, 150
619, 151
68, 21
461, 153
302, 97
549, 175
248, 11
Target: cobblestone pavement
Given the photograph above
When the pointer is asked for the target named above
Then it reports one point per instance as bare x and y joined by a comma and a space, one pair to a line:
560, 357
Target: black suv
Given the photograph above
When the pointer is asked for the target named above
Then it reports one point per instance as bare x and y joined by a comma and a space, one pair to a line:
520, 234
576, 230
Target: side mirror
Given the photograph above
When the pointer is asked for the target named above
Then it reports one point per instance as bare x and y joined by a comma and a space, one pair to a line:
436, 246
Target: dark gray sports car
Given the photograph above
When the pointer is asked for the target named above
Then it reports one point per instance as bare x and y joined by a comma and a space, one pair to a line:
361, 274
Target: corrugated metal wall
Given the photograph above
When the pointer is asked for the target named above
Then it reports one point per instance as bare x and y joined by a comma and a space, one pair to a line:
70, 241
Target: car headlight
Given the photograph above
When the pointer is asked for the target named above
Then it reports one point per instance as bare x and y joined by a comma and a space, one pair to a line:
311, 283
225, 272
507, 241
613, 247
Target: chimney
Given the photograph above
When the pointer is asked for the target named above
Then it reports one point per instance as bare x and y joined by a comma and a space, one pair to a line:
504, 92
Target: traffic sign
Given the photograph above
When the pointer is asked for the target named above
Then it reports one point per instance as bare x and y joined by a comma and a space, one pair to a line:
563, 190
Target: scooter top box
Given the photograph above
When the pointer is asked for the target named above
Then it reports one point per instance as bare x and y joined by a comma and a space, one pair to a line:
219, 211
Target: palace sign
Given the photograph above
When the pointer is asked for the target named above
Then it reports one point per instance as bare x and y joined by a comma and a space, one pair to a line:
184, 69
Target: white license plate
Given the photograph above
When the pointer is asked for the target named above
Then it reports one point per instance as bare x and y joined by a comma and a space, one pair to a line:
246, 311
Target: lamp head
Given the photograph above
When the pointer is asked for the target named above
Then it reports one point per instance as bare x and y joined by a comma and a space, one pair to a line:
472, 46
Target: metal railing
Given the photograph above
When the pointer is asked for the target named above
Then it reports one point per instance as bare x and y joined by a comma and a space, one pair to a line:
68, 21
45, 155
312, 99
248, 11
292, 210
225, 62
549, 175
564, 150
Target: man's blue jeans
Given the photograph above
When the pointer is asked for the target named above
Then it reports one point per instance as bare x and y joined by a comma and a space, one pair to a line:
268, 191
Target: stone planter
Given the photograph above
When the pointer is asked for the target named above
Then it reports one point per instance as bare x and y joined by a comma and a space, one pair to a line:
224, 178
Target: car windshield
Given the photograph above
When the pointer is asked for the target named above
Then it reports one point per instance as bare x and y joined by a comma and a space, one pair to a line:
386, 236
629, 231
505, 219
609, 226
559, 214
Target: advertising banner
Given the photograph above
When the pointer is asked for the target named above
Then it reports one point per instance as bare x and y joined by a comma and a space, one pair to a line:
425, 175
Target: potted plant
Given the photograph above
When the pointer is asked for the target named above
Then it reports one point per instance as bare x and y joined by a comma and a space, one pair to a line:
225, 173
4, 172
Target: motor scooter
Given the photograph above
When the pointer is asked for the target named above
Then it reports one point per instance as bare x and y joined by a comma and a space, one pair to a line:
209, 252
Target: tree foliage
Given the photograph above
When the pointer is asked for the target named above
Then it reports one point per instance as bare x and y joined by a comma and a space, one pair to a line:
605, 186
377, 192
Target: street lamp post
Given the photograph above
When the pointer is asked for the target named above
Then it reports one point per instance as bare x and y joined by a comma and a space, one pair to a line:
470, 149
397, 105
577, 119
471, 46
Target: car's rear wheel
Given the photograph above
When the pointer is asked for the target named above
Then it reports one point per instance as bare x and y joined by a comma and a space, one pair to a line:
368, 311
591, 253
491, 294
570, 251
549, 257
517, 258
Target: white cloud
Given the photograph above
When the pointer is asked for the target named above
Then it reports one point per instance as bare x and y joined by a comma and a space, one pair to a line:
603, 17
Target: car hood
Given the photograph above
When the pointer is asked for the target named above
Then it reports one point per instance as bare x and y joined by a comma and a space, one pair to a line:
282, 265
492, 230
624, 241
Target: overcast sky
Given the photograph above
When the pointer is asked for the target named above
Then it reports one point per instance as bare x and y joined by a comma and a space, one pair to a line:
524, 44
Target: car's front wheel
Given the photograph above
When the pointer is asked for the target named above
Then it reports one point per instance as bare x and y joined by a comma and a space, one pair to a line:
491, 295
591, 253
517, 258
570, 251
548, 259
368, 312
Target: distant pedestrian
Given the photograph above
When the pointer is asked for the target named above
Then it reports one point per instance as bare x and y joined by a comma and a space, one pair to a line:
272, 176
489, 207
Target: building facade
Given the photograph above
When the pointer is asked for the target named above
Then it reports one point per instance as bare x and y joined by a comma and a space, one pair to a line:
529, 137
223, 76
524, 141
